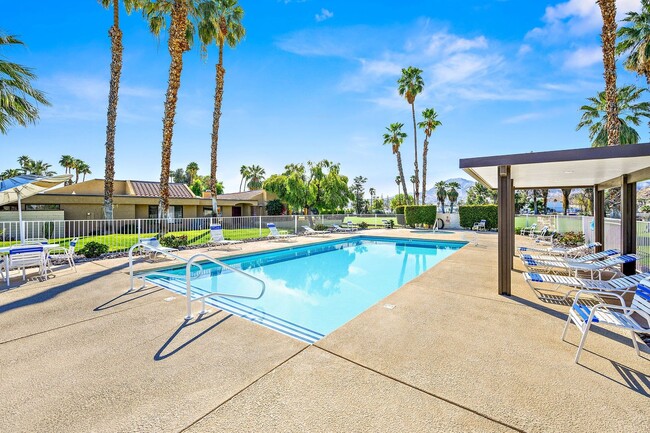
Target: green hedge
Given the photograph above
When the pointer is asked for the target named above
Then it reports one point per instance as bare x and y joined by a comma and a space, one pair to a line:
399, 210
420, 214
470, 214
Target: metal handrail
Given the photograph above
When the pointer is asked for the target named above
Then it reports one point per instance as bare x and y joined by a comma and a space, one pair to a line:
188, 281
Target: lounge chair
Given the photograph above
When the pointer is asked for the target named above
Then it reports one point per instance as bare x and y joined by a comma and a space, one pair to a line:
308, 231
582, 259
565, 286
563, 252
528, 231
66, 254
338, 228
152, 247
218, 240
566, 267
352, 227
23, 257
276, 235
479, 226
635, 318
545, 235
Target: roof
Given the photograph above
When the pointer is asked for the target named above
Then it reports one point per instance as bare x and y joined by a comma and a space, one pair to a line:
152, 189
564, 168
244, 195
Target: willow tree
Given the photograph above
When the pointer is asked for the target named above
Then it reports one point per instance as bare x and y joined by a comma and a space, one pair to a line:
634, 39
395, 137
174, 15
115, 33
410, 84
608, 37
18, 99
220, 23
429, 124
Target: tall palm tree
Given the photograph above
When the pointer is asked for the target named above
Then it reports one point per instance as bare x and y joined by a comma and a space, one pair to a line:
452, 194
221, 24
77, 166
630, 113
18, 99
635, 40
191, 170
83, 169
398, 180
429, 124
441, 194
25, 162
181, 30
115, 33
395, 137
608, 37
372, 193
256, 177
243, 170
66, 161
9, 173
409, 85
412, 179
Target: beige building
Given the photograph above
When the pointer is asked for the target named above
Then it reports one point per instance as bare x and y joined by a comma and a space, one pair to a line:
139, 199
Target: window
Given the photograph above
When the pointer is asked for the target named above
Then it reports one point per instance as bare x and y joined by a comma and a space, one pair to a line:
42, 207
9, 207
207, 211
174, 211
153, 212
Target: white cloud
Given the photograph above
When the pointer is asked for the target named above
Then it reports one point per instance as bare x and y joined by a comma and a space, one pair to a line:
524, 49
522, 118
583, 57
324, 15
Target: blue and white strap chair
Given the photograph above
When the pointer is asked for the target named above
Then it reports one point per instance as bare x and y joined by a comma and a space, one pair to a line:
582, 259
635, 318
308, 231
217, 239
66, 254
338, 228
562, 266
528, 231
573, 252
276, 235
352, 227
23, 257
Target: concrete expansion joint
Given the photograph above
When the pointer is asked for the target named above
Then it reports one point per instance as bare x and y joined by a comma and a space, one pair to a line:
424, 391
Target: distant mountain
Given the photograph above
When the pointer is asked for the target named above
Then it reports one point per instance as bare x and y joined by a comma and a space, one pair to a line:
465, 185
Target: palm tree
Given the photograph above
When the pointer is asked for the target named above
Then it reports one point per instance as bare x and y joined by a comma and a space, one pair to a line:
452, 194
84, 169
412, 179
544, 199
372, 193
595, 116
410, 84
115, 33
429, 124
18, 99
398, 180
9, 173
67, 162
191, 170
243, 170
395, 137
256, 177
40, 168
178, 13
220, 23
77, 166
25, 162
441, 194
635, 40
608, 37
566, 192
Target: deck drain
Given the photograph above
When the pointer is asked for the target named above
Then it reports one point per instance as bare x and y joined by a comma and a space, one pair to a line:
171, 298
390, 306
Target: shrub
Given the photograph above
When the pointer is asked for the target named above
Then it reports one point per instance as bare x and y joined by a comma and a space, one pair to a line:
274, 207
571, 239
399, 210
94, 249
470, 214
363, 225
425, 214
321, 227
173, 241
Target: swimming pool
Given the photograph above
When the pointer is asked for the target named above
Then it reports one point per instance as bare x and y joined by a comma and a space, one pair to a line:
311, 290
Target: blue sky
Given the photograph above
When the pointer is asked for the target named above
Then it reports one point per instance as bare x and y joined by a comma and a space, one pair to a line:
316, 79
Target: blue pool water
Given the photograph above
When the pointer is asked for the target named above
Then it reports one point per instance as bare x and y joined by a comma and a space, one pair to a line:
312, 290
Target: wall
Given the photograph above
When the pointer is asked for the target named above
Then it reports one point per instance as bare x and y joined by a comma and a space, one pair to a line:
9, 223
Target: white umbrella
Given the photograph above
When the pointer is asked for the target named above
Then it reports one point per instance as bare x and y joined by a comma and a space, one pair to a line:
27, 185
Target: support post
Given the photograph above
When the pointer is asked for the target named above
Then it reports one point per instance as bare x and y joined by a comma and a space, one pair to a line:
599, 217
628, 223
512, 223
505, 229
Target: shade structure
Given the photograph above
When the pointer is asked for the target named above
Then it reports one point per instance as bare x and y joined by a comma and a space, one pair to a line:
17, 188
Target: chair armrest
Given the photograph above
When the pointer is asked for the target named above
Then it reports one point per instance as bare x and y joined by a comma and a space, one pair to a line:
596, 293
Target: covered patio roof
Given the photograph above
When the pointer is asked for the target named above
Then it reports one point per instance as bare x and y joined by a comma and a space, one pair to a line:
597, 168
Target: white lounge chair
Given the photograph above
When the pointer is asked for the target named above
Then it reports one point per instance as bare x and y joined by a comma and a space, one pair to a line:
276, 235
218, 240
479, 226
308, 231
528, 231
352, 226
565, 286
338, 228
566, 267
152, 247
581, 259
23, 257
562, 251
635, 318
67, 254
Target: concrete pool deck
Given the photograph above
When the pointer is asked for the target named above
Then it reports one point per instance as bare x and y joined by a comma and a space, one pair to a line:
78, 353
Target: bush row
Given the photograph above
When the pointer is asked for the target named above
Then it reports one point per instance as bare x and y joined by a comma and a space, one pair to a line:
420, 214
470, 214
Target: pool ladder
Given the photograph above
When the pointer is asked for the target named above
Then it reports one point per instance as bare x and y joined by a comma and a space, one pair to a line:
189, 275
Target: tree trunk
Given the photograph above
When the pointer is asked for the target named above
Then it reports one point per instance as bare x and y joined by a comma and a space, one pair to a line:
415, 161
425, 151
565, 200
76, 179
608, 37
216, 116
116, 70
401, 176
177, 45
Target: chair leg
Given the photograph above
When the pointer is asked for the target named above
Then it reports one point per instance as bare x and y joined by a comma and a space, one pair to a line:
566, 326
634, 343
582, 341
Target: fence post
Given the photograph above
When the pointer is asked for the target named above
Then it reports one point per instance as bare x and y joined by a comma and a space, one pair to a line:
139, 230
295, 224
260, 225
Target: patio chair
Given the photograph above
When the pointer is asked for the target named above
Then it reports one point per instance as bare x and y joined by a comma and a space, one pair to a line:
338, 228
218, 240
528, 231
635, 318
386, 223
276, 235
561, 266
23, 257
65, 254
565, 286
562, 251
308, 231
581, 259
479, 226
152, 247
352, 226
545, 236
36, 241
